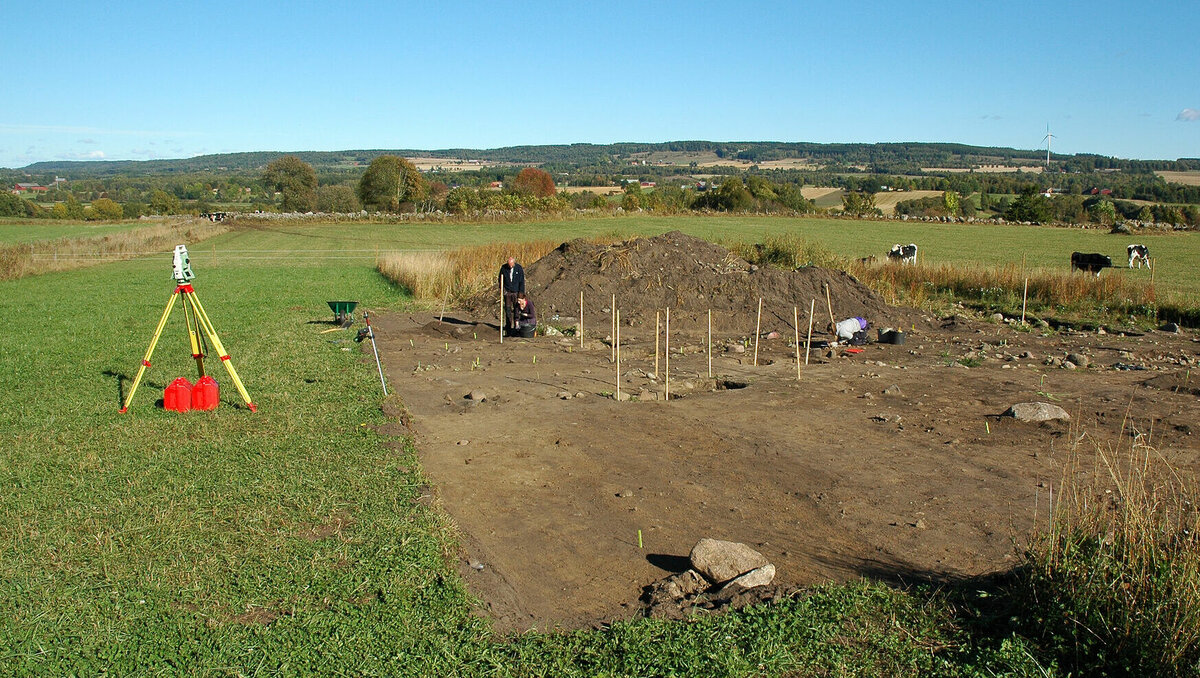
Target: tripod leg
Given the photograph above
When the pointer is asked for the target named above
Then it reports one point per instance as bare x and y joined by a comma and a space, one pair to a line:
206, 325
193, 329
150, 350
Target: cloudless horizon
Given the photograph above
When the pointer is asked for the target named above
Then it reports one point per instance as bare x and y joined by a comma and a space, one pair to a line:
140, 80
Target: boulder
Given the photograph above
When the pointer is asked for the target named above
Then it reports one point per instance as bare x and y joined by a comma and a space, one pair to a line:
1036, 412
720, 561
1079, 359
760, 576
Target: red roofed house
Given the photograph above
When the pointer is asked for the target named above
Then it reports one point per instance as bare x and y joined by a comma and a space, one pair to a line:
29, 188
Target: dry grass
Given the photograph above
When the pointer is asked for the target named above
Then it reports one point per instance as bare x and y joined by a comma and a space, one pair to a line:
457, 274
887, 200
1116, 576
1191, 178
64, 254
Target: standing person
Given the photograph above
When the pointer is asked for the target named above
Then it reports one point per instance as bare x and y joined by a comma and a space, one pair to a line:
512, 283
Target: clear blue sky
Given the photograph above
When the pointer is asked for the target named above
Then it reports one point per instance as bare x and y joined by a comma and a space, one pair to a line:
140, 80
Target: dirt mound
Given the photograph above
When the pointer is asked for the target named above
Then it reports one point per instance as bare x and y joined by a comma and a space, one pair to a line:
689, 276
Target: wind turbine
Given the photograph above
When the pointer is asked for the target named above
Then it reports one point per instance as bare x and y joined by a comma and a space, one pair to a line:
1047, 139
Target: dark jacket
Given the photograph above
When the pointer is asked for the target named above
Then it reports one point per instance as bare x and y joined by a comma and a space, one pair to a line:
526, 316
512, 280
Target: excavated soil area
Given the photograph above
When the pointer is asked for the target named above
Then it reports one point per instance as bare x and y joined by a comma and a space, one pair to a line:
890, 463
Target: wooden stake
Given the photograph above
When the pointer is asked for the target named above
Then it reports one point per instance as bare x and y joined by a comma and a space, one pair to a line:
656, 333
829, 305
796, 324
580, 318
1024, 298
667, 358
757, 331
710, 343
617, 345
612, 313
442, 316
812, 305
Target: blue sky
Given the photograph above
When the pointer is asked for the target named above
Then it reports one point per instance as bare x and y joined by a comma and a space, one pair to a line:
148, 80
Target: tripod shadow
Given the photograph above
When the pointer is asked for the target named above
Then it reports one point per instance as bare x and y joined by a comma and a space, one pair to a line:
122, 379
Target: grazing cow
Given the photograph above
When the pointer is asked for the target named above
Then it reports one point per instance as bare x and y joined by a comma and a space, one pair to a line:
907, 254
1139, 254
1092, 263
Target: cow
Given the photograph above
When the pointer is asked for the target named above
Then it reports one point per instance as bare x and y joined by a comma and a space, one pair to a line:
1138, 254
1092, 263
906, 254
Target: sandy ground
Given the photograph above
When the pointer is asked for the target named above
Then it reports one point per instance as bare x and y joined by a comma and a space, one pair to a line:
887, 463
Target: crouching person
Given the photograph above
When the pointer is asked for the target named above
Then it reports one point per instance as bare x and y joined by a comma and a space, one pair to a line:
851, 330
526, 316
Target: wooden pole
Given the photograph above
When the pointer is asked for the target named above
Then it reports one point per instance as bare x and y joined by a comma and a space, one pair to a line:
656, 333
617, 345
812, 305
796, 324
580, 318
442, 316
757, 331
667, 358
710, 343
612, 313
829, 305
1024, 298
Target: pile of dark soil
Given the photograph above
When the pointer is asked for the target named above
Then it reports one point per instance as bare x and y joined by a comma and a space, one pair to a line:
690, 276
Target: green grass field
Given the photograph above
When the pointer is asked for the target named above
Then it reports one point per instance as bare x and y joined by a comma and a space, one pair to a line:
153, 542
30, 230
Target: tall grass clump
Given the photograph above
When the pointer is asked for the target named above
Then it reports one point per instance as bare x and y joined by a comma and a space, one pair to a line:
787, 251
455, 275
1114, 581
64, 254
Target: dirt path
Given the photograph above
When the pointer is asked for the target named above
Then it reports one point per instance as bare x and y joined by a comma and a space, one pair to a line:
887, 463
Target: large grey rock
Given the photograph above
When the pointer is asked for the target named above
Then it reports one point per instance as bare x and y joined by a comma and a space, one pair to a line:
1036, 412
1079, 359
760, 576
719, 560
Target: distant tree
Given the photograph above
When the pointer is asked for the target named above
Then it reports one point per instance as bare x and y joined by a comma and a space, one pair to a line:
951, 200
105, 209
162, 202
535, 182
733, 195
1030, 205
859, 204
133, 209
74, 208
389, 183
59, 211
1102, 212
462, 199
296, 181
337, 198
13, 206
1145, 215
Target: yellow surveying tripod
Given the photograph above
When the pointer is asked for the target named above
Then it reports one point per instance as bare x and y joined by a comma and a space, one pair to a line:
197, 323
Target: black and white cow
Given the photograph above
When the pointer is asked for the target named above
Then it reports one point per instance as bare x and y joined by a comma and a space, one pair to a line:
1092, 263
1139, 254
907, 254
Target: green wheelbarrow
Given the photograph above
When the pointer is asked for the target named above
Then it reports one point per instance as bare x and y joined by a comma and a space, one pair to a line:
343, 312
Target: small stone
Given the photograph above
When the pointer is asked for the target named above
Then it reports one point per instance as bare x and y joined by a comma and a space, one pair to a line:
476, 395
920, 524
771, 335
1026, 355
892, 390
998, 317
1079, 359
1036, 411
1170, 327
1069, 365
625, 494
580, 394
623, 396
735, 348
463, 442
1101, 331
564, 395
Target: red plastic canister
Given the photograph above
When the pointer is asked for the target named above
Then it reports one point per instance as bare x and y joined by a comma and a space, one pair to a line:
205, 394
178, 395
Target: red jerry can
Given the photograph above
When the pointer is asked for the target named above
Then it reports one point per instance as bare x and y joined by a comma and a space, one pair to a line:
205, 394
178, 395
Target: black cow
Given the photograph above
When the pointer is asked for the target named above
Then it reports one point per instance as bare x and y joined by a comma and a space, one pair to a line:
1139, 254
1092, 263
906, 254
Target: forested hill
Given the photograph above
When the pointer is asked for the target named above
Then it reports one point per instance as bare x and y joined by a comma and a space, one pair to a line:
892, 158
